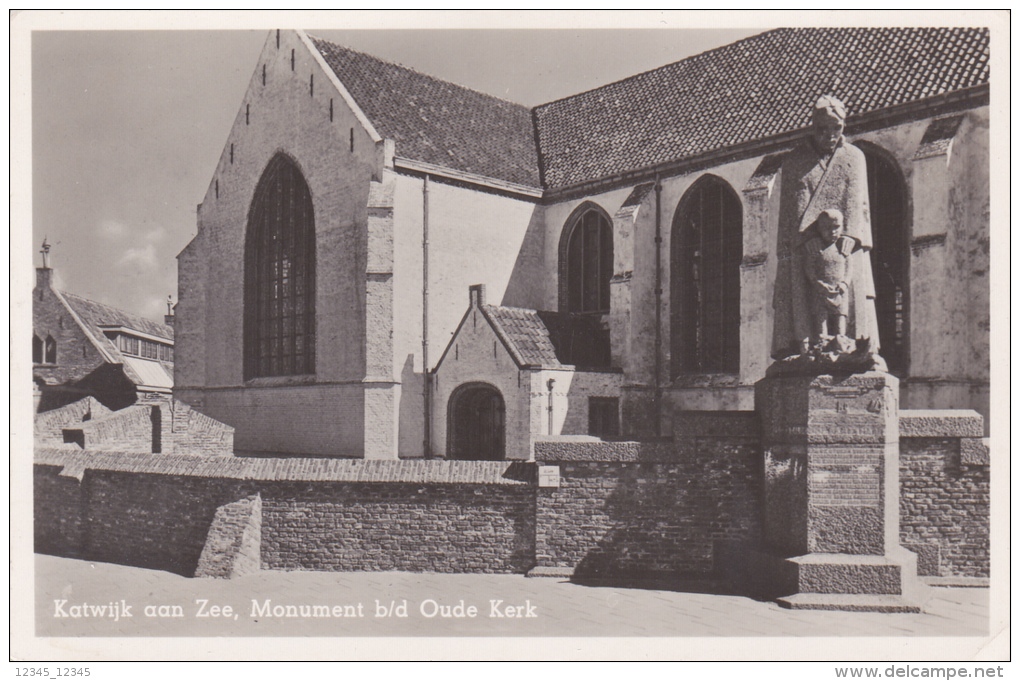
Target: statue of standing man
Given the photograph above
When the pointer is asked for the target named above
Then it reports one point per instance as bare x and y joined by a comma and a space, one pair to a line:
822, 177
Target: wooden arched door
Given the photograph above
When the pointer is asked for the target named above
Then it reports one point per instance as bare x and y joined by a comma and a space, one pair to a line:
477, 424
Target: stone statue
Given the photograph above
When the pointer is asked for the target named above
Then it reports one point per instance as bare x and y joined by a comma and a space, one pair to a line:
824, 175
823, 261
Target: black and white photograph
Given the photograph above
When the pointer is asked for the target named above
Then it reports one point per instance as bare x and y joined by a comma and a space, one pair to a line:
528, 335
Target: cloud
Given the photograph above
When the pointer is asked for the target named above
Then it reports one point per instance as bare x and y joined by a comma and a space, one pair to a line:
111, 229
153, 307
141, 257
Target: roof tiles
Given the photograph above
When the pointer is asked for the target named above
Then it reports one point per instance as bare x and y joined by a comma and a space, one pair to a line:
749, 90
438, 122
752, 89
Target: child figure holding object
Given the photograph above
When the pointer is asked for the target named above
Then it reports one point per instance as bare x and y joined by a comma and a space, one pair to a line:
825, 263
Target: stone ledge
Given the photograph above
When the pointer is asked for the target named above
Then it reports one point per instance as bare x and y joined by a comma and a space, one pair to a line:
587, 448
849, 603
293, 469
958, 582
551, 571
941, 423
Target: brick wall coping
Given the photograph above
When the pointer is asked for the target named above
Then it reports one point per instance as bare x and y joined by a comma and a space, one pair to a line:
587, 448
75, 462
941, 423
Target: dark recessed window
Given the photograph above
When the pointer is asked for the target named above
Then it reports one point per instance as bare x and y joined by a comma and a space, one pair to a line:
279, 286
37, 349
889, 258
706, 250
604, 417
589, 262
51, 350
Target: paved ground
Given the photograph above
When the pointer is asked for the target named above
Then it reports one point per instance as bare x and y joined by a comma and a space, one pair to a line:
556, 607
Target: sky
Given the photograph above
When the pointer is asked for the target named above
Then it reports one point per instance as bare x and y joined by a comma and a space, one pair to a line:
127, 126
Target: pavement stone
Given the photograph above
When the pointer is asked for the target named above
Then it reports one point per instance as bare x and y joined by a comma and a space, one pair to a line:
558, 607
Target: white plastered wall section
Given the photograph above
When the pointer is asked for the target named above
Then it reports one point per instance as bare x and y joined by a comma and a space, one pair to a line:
475, 237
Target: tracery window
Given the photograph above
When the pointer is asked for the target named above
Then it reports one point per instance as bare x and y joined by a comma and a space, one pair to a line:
588, 263
706, 250
279, 310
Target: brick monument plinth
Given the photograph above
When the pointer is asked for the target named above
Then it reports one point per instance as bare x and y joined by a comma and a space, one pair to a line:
831, 492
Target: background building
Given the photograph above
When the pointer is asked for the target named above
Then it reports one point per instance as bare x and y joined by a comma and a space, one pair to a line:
81, 348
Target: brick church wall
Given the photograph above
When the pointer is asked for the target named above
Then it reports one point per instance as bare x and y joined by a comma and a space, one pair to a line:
339, 159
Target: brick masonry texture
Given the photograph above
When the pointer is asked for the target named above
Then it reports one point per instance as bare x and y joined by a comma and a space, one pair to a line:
176, 513
136, 428
659, 514
944, 508
624, 510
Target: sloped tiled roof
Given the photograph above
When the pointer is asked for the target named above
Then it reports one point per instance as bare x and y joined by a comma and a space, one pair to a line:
95, 315
438, 122
525, 333
750, 90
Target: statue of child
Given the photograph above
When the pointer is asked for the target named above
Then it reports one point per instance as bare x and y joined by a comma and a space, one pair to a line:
825, 263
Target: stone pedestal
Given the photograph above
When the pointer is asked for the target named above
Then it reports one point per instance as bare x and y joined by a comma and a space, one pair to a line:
831, 492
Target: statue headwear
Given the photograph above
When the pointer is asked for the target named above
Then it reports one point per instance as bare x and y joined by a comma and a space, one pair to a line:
831, 106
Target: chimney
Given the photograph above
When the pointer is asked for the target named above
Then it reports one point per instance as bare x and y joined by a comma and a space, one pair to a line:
476, 295
44, 274
168, 319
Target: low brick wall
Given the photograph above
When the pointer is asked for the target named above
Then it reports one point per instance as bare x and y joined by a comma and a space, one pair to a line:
944, 492
659, 511
944, 509
687, 508
159, 511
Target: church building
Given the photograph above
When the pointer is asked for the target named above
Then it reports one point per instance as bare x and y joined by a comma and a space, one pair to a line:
390, 266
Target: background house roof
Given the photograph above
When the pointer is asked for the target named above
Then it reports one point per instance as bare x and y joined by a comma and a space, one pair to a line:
438, 122
95, 315
750, 90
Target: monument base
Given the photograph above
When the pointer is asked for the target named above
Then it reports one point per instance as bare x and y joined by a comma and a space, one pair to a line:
831, 492
838, 581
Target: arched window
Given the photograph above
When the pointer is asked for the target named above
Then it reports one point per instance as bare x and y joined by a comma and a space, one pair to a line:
587, 261
890, 256
279, 275
51, 350
706, 249
37, 349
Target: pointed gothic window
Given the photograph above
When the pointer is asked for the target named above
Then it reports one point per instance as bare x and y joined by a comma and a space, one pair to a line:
37, 349
889, 257
279, 276
51, 350
706, 250
588, 265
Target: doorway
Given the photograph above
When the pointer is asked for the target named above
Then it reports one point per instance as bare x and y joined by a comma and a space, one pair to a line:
477, 424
